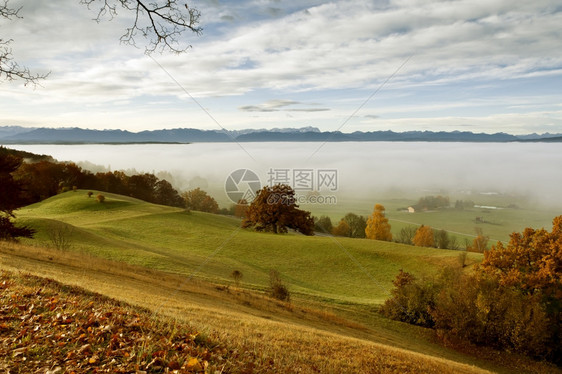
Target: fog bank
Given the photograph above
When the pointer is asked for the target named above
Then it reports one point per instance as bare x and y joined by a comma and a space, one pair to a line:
532, 169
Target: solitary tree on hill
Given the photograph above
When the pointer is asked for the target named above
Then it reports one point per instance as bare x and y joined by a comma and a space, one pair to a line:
275, 210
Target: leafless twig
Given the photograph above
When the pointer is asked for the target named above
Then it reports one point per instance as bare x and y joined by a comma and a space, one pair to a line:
161, 22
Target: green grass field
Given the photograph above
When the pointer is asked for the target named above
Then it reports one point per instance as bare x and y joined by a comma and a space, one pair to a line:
211, 246
186, 259
497, 224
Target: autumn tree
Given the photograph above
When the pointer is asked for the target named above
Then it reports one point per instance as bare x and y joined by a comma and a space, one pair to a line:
378, 227
479, 243
512, 300
161, 23
199, 200
10, 199
424, 237
275, 210
531, 261
342, 229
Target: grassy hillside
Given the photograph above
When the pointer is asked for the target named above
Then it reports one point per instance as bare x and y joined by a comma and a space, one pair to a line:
210, 246
185, 260
254, 334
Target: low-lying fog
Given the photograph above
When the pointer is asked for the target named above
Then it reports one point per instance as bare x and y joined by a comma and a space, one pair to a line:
364, 168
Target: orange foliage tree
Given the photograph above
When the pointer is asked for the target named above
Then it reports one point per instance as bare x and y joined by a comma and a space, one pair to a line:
342, 229
531, 261
377, 225
275, 210
424, 237
198, 199
513, 300
480, 243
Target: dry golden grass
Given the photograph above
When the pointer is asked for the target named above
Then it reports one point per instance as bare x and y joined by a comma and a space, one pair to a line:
304, 336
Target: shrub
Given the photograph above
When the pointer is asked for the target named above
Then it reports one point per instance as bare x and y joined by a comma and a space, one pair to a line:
462, 259
478, 309
411, 300
9, 231
276, 287
237, 276
59, 235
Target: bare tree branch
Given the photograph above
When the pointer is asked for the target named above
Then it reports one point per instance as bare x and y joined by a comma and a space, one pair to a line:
160, 22
10, 69
7, 12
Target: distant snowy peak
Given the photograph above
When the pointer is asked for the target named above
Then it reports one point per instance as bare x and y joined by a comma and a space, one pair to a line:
285, 130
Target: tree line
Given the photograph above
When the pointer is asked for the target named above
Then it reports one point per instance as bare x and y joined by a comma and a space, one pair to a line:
40, 177
43, 179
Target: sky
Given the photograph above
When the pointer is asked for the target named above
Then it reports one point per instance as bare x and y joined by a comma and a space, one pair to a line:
478, 65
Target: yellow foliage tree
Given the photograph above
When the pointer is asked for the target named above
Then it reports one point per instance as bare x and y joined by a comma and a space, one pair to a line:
378, 227
424, 237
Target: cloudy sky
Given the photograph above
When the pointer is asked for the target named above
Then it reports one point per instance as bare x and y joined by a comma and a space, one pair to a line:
476, 65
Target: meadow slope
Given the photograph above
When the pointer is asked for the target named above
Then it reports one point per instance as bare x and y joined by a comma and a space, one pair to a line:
212, 246
177, 265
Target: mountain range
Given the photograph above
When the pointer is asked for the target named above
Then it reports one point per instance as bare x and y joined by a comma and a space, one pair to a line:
43, 135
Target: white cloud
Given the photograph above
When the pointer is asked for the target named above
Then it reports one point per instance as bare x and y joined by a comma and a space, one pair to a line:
313, 49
